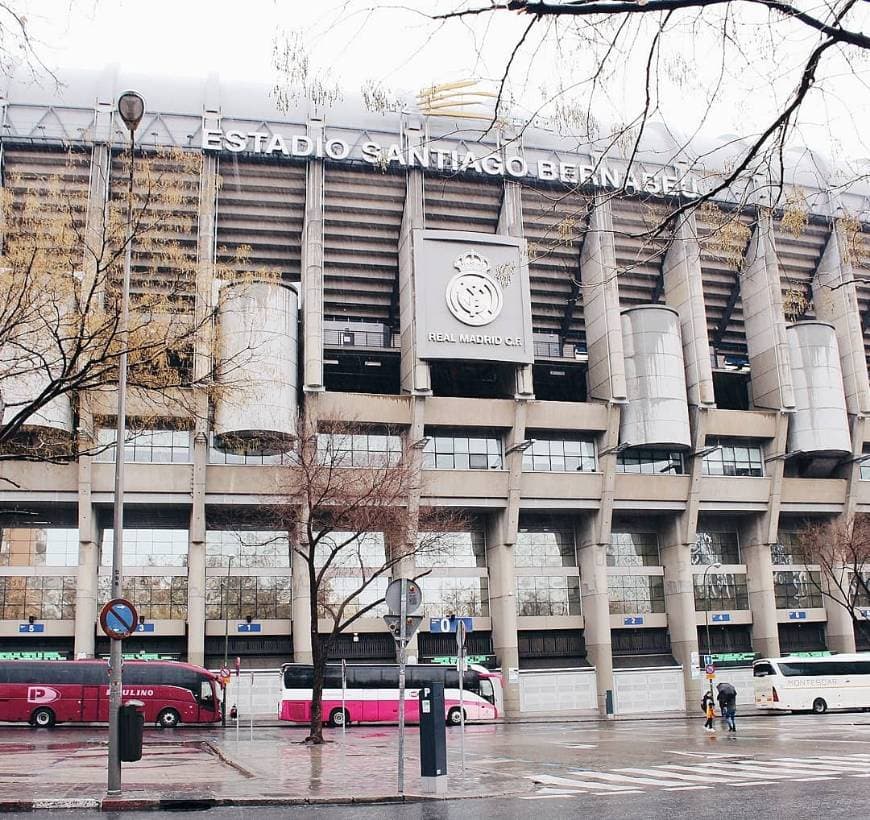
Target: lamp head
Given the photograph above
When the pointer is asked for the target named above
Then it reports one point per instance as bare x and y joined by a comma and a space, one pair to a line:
131, 108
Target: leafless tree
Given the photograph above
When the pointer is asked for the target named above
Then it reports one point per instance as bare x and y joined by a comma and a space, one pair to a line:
836, 555
61, 269
335, 506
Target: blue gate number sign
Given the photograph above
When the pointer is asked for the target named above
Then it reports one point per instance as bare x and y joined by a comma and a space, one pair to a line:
30, 628
443, 625
145, 628
249, 627
119, 619
719, 617
632, 620
797, 616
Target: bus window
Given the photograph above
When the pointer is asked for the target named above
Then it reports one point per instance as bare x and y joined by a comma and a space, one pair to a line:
761, 670
486, 690
206, 694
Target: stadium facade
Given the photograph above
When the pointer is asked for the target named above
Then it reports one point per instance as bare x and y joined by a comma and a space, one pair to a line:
635, 426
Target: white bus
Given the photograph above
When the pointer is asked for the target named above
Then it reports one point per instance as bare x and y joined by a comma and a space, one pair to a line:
372, 693
813, 684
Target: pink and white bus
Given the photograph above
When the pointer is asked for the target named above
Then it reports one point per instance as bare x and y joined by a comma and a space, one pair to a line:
372, 693
43, 693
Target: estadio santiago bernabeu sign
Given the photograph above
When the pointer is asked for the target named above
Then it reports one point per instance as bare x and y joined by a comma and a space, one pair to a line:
597, 171
472, 297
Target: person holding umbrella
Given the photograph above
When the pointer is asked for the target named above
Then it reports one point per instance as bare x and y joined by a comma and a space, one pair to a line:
728, 704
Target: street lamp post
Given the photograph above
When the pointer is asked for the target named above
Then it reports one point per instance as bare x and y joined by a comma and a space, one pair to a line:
716, 565
131, 107
225, 603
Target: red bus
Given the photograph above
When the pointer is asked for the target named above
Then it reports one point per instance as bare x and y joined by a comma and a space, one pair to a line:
43, 693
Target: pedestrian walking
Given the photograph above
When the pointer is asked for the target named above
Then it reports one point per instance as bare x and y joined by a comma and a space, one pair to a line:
728, 704
707, 707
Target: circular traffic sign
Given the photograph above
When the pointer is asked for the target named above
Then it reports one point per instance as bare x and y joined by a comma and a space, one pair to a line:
413, 595
119, 619
710, 670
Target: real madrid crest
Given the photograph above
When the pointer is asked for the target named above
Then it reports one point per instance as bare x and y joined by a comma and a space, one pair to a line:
473, 296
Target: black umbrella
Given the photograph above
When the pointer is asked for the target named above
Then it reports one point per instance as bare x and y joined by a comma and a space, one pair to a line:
726, 690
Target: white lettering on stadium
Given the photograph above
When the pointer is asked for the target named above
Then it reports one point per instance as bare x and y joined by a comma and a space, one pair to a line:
664, 182
476, 339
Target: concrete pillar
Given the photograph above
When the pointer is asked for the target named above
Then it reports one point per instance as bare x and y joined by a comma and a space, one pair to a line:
300, 607
840, 630
757, 535
204, 306
764, 319
312, 268
510, 223
679, 579
196, 581
593, 539
415, 378
407, 540
89, 548
835, 300
684, 291
503, 602
755, 550
93, 251
598, 273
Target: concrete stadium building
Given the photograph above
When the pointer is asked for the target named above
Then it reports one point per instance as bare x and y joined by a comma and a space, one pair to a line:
616, 414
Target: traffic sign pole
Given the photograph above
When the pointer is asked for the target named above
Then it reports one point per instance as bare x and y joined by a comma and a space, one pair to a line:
460, 663
403, 611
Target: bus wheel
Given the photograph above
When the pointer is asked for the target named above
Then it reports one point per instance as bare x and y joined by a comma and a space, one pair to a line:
168, 719
339, 717
454, 718
819, 706
42, 718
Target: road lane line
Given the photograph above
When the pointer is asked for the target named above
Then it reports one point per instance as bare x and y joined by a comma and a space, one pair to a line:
673, 775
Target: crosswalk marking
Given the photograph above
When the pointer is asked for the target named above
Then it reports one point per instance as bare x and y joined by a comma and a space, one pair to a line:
673, 775
579, 784
621, 778
736, 771
685, 788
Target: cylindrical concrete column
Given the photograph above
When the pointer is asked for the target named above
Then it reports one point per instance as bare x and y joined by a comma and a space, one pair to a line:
680, 609
841, 630
595, 602
300, 607
762, 600
86, 581
196, 583
503, 608
89, 549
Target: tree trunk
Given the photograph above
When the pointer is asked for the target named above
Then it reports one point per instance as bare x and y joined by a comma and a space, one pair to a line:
315, 732
319, 654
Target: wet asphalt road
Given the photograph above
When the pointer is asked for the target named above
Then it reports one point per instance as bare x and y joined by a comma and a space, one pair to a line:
551, 754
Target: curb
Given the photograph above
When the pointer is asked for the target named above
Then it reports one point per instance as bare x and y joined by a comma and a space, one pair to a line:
117, 804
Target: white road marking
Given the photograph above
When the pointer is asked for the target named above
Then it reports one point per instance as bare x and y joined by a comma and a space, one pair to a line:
610, 794
696, 778
756, 783
579, 784
716, 775
579, 745
623, 778
685, 788
812, 779
859, 775
704, 755
545, 796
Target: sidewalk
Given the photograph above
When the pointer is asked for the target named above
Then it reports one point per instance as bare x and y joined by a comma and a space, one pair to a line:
197, 773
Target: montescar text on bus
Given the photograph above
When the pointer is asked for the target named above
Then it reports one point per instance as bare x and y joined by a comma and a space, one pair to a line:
372, 693
813, 684
47, 692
